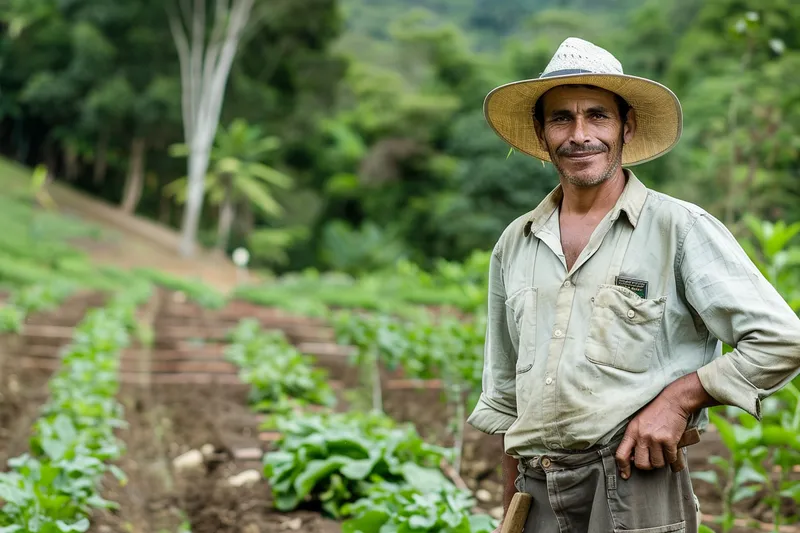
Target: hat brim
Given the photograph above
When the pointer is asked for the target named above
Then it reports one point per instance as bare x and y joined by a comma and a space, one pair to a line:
659, 120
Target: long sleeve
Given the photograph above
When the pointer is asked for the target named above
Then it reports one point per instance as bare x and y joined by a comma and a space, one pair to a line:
741, 308
496, 410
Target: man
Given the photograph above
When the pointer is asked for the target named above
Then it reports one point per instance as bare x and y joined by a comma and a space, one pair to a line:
607, 305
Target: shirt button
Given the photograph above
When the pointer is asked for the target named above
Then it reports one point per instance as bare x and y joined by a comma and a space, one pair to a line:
549, 381
545, 462
558, 333
631, 314
567, 284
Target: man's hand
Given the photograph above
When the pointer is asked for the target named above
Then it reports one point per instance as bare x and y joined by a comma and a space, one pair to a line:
652, 436
651, 439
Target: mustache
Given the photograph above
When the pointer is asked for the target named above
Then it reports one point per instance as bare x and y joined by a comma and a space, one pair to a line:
581, 150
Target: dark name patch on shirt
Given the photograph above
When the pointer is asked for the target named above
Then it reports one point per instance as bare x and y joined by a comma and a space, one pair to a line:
639, 286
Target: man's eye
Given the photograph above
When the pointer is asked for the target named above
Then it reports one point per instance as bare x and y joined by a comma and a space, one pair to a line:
599, 115
560, 119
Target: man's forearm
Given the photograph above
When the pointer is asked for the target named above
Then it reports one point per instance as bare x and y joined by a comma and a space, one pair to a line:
689, 394
509, 476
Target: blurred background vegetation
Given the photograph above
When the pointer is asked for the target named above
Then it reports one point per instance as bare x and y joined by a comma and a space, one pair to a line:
352, 135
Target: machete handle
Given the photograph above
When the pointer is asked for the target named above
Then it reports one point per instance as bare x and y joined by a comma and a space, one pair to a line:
690, 437
517, 513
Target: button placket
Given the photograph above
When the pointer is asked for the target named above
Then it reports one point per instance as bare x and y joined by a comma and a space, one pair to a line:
564, 300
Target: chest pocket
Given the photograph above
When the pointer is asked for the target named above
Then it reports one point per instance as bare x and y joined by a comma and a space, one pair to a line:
623, 329
521, 313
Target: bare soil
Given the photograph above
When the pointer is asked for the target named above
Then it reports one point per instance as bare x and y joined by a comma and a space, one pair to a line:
169, 420
22, 393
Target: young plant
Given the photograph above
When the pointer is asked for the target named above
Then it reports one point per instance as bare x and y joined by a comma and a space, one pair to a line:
333, 459
55, 487
281, 378
416, 508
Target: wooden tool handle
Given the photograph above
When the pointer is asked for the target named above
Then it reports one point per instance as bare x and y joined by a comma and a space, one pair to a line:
517, 514
690, 437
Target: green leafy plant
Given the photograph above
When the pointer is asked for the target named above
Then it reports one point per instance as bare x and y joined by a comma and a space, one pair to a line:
281, 378
416, 508
333, 459
425, 347
30, 299
54, 488
772, 251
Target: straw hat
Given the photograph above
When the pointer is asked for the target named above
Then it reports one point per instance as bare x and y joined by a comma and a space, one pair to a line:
659, 120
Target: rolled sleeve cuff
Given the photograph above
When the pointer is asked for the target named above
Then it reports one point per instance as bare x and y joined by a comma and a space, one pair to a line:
723, 381
491, 417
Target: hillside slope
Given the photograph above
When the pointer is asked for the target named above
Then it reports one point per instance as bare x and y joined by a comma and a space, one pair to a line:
129, 241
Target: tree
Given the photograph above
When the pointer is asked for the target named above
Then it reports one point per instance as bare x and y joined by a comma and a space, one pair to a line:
238, 175
205, 62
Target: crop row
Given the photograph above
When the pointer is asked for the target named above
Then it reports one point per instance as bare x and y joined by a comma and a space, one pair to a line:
54, 487
362, 467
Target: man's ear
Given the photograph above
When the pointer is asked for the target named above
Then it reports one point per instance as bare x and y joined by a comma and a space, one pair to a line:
539, 133
629, 128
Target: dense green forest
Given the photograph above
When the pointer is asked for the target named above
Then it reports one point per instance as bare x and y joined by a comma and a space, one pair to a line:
352, 133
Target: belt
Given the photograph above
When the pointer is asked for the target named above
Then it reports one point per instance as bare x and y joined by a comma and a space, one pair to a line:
571, 458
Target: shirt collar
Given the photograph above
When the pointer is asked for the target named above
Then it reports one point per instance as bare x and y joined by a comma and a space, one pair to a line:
631, 202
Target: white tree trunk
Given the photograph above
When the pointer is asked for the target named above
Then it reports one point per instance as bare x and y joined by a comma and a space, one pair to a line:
205, 66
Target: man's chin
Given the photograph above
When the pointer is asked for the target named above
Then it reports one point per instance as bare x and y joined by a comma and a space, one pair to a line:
586, 179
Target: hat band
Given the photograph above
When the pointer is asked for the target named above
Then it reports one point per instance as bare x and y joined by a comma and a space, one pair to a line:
566, 72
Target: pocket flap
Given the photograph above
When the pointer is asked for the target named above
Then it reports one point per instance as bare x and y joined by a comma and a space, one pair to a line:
628, 305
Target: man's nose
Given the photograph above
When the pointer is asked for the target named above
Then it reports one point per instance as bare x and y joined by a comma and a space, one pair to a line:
580, 131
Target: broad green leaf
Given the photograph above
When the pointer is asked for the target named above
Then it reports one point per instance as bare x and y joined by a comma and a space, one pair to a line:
748, 474
708, 476
742, 493
424, 522
704, 529
287, 502
792, 492
12, 494
359, 469
725, 431
746, 437
315, 471
79, 527
424, 479
65, 428
720, 462
776, 436
481, 523
119, 474
369, 522
54, 448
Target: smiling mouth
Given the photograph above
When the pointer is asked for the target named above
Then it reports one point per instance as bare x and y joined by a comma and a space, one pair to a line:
582, 156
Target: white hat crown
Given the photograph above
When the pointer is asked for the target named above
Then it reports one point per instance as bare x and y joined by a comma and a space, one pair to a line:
576, 56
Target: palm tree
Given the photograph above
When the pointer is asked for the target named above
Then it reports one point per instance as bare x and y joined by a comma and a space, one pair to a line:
237, 175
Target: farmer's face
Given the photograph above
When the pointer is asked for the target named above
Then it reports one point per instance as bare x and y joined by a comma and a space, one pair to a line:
584, 133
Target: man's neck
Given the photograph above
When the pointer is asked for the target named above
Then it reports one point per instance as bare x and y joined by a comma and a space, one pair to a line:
592, 201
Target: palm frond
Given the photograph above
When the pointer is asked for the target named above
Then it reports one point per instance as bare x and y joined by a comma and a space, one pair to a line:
270, 175
257, 194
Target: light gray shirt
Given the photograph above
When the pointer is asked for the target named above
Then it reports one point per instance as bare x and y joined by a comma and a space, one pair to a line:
571, 356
